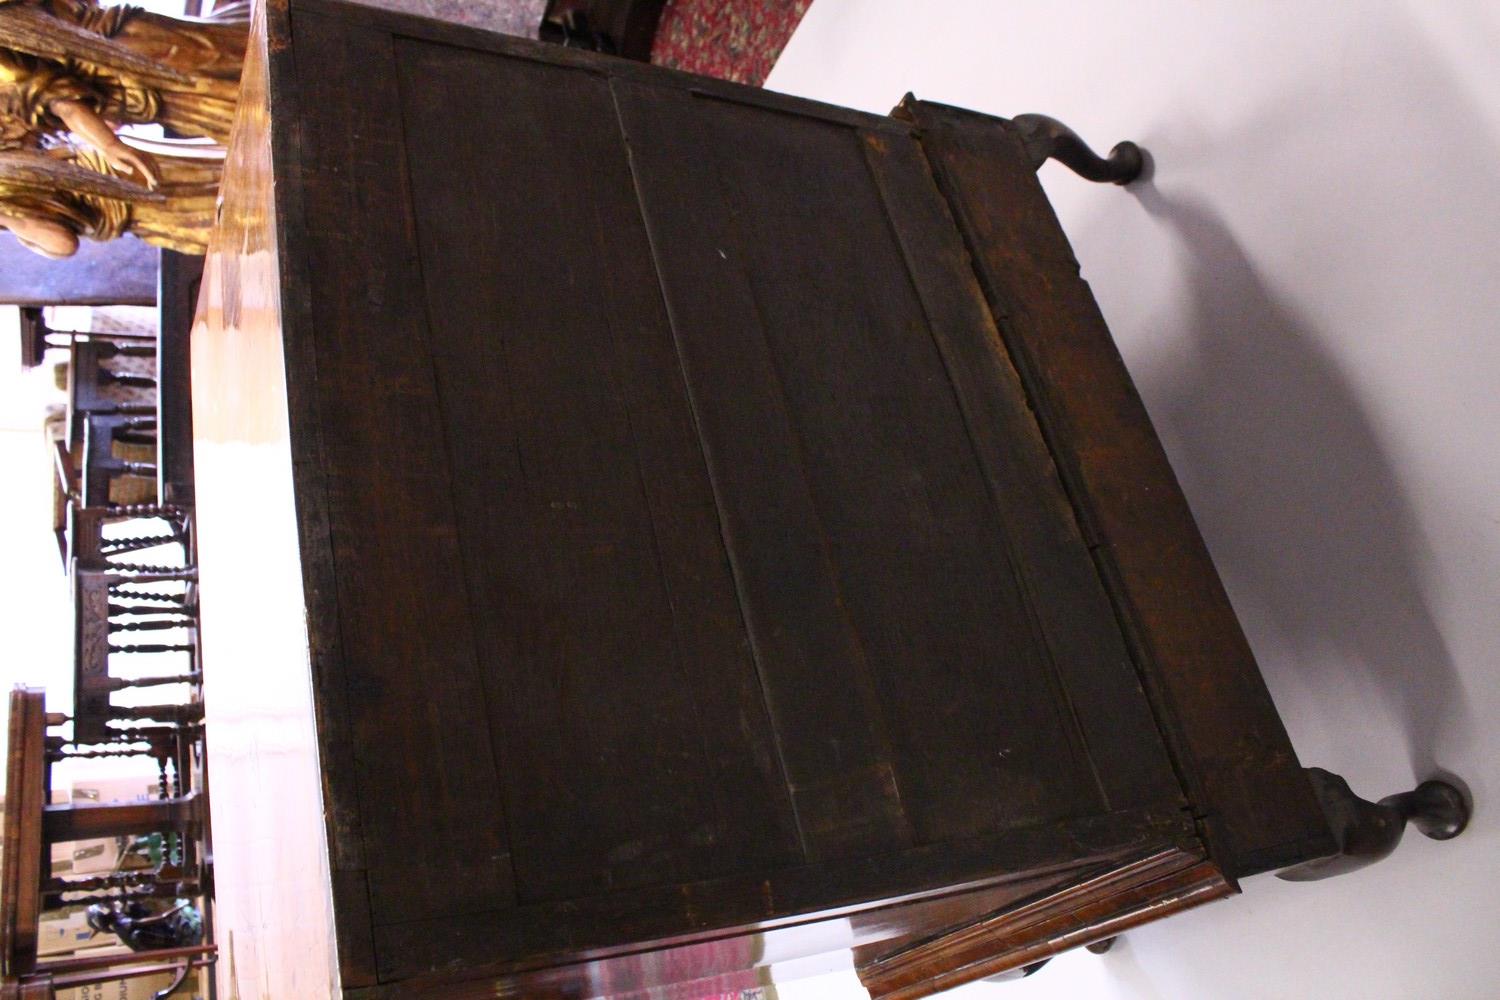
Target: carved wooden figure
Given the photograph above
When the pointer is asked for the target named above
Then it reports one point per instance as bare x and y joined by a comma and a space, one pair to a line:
53, 199
72, 72
121, 64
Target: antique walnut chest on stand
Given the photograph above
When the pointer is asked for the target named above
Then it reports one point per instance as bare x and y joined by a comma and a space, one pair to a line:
662, 535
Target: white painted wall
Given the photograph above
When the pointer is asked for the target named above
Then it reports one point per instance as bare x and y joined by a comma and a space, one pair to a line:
1308, 295
35, 608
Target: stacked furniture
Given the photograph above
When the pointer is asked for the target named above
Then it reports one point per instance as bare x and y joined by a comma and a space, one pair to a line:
131, 565
125, 481
33, 824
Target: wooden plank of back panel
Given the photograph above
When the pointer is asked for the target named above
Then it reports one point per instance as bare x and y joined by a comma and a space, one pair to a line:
434, 837
635, 743
851, 387
259, 214
826, 714
1229, 741
927, 572
1059, 582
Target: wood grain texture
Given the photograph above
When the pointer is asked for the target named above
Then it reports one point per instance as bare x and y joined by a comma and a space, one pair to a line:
406, 629
628, 715
91, 700
1241, 772
24, 852
949, 552
1069, 611
690, 971
509, 942
689, 562
813, 668
1111, 902
281, 141
95, 820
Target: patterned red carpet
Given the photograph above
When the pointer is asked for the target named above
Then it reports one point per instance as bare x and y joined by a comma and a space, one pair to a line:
732, 39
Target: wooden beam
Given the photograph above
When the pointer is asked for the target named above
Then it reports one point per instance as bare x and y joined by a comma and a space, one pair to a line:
89, 820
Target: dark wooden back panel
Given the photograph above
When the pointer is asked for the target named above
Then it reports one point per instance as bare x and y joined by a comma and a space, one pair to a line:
423, 760
633, 742
855, 501
1231, 747
695, 556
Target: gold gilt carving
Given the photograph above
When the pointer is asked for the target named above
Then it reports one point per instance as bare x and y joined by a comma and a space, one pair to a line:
72, 73
53, 198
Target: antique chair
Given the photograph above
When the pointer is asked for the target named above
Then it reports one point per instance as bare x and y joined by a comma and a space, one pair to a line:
150, 526
33, 825
107, 604
92, 372
117, 596
38, 335
105, 408
101, 464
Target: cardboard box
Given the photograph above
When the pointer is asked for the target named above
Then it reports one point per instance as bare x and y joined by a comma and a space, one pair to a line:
62, 854
61, 932
139, 988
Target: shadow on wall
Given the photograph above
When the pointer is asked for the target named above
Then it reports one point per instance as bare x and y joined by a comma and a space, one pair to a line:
1282, 450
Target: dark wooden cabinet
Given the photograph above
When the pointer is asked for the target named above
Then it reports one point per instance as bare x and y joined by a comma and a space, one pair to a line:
726, 530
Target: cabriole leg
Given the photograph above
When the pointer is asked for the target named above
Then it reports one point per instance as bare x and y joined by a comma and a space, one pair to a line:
1045, 137
1368, 831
